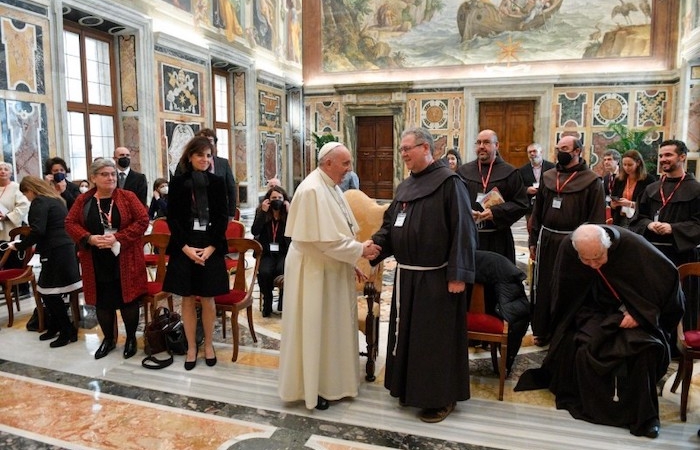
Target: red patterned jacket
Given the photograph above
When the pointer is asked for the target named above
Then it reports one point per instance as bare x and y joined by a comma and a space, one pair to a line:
134, 221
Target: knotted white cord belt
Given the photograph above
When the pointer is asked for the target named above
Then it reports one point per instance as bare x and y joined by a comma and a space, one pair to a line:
399, 268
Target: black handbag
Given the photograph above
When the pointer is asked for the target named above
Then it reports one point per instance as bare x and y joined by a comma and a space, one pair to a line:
164, 333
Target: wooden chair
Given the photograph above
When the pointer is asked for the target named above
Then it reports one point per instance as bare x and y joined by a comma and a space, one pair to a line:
234, 230
11, 277
369, 215
155, 293
241, 294
74, 302
488, 328
159, 226
688, 344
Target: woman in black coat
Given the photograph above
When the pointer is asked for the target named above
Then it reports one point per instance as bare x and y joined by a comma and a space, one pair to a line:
59, 265
197, 217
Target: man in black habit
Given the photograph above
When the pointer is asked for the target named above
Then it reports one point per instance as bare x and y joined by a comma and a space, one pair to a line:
613, 322
487, 173
430, 231
669, 217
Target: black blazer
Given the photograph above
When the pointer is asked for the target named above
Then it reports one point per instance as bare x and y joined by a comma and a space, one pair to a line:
136, 183
528, 177
223, 169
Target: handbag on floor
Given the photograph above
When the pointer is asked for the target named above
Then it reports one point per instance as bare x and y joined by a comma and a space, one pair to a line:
164, 333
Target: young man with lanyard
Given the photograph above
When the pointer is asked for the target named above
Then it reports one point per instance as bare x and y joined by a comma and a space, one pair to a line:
611, 164
669, 216
569, 196
488, 174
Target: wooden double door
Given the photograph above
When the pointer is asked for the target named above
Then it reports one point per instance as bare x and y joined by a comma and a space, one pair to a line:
374, 163
514, 123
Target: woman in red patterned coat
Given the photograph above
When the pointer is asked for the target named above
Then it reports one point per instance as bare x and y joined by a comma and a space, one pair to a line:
107, 224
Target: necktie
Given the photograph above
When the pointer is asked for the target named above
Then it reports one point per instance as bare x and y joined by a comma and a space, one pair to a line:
122, 179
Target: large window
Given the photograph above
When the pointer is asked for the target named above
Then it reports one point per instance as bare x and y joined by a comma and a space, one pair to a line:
222, 112
90, 92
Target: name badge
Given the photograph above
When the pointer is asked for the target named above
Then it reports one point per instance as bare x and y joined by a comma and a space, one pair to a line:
556, 202
607, 199
480, 196
274, 247
656, 217
110, 230
400, 219
536, 184
198, 226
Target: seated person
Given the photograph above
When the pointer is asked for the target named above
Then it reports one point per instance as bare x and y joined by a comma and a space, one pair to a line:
504, 296
614, 320
268, 229
55, 171
159, 202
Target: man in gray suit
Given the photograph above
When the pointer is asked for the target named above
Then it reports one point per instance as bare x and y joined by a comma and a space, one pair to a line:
127, 178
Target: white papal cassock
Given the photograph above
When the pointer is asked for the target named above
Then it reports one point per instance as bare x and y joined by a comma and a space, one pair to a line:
319, 347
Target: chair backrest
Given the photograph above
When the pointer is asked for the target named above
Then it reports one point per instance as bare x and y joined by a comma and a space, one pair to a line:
686, 271
244, 280
158, 243
369, 215
234, 230
160, 225
477, 304
28, 254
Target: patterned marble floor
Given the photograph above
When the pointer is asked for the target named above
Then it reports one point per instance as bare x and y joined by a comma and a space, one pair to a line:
64, 398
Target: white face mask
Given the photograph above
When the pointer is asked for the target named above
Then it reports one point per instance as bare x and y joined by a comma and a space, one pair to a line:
83, 189
163, 190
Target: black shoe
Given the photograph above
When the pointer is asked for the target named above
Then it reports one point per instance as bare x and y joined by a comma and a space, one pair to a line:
322, 404
130, 347
189, 365
267, 313
106, 347
211, 362
650, 429
50, 334
65, 339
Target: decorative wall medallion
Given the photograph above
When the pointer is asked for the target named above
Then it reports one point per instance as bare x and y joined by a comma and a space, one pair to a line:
434, 114
181, 90
610, 108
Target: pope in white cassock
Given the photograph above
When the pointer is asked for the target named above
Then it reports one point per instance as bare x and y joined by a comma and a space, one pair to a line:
319, 346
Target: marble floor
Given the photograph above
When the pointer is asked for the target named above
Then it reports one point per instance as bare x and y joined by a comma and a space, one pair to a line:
64, 398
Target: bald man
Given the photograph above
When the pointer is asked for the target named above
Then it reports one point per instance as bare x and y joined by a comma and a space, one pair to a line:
128, 178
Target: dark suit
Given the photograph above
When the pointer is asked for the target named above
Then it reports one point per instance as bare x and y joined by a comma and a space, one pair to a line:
528, 176
136, 183
223, 169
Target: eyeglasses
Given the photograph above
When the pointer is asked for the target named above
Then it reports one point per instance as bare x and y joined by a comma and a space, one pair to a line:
408, 149
486, 142
107, 174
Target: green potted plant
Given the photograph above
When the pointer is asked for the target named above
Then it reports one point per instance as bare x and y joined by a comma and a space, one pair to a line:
634, 139
323, 140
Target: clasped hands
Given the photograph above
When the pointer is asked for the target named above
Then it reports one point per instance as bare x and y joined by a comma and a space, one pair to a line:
102, 241
198, 255
660, 227
370, 250
480, 216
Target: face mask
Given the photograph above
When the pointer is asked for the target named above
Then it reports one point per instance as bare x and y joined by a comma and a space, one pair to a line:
564, 158
163, 190
124, 162
276, 205
83, 189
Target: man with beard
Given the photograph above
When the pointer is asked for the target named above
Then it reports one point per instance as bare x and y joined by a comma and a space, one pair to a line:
127, 178
569, 196
531, 174
612, 340
497, 194
669, 216
430, 231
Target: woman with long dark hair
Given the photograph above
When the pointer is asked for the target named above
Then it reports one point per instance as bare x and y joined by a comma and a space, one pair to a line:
628, 187
197, 217
268, 229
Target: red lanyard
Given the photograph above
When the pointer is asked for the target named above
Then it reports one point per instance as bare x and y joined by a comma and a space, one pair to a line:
561, 188
108, 214
665, 200
275, 226
614, 292
629, 190
485, 182
611, 182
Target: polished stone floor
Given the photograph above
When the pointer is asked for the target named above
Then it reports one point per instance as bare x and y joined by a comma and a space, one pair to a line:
64, 398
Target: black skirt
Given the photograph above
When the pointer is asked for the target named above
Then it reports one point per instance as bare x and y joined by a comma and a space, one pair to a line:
59, 270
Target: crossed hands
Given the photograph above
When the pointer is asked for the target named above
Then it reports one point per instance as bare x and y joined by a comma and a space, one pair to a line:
198, 255
370, 250
660, 227
102, 241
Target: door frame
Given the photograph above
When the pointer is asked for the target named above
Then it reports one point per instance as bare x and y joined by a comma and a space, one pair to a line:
541, 93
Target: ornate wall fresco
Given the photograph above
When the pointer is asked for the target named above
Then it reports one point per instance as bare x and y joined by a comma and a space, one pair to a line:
503, 37
227, 15
271, 134
587, 112
180, 90
177, 134
128, 83
441, 113
26, 117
